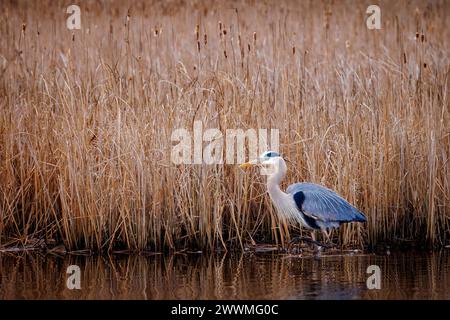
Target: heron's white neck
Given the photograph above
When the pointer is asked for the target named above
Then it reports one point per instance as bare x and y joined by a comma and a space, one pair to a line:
273, 184
284, 202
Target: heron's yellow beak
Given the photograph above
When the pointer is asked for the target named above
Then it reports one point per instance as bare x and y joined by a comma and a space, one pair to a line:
246, 165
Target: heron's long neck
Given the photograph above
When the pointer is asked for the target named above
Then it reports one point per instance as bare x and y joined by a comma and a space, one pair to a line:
284, 202
273, 187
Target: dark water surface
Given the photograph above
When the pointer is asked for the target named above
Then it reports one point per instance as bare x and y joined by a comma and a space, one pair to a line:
228, 276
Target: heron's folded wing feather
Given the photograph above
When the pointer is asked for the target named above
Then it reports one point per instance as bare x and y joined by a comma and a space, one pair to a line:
323, 204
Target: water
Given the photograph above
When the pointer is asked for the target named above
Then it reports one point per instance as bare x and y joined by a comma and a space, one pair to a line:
227, 276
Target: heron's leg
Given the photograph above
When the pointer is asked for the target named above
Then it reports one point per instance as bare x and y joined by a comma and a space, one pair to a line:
327, 232
305, 239
312, 240
309, 240
318, 245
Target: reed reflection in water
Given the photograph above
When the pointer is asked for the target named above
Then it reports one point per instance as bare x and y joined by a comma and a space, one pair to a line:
227, 276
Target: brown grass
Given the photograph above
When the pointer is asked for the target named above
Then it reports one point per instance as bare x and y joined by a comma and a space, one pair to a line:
87, 117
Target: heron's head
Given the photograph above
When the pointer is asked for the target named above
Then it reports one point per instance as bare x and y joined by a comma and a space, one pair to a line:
271, 163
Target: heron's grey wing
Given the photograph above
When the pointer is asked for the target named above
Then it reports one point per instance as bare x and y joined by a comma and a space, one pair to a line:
323, 204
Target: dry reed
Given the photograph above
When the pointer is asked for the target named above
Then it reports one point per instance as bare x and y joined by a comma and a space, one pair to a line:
87, 115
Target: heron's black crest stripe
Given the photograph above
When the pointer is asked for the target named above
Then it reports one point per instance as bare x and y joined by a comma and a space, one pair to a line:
271, 154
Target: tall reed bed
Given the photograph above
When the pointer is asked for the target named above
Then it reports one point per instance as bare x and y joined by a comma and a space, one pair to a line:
87, 117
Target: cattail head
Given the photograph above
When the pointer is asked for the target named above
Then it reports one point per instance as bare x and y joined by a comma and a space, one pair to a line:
197, 32
205, 39
328, 14
254, 36
220, 29
24, 27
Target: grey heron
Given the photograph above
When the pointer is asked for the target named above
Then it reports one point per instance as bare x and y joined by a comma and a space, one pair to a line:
311, 205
